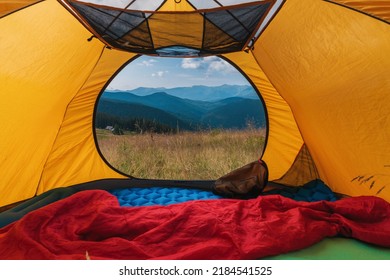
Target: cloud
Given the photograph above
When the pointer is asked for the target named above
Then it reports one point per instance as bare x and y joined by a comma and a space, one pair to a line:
220, 66
191, 63
159, 74
210, 63
147, 63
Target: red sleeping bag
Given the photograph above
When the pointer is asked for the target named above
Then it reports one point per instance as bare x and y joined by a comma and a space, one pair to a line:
93, 222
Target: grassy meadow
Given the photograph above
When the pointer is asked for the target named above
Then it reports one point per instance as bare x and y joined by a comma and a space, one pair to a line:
182, 156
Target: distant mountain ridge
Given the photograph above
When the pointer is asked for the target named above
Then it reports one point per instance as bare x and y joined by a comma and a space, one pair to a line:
231, 112
123, 111
185, 109
201, 93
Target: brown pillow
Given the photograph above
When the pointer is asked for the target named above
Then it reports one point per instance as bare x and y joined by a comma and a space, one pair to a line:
245, 182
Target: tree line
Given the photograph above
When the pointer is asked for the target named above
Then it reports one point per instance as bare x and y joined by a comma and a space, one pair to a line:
137, 125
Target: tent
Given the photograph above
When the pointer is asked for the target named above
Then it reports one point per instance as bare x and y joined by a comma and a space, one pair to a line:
322, 69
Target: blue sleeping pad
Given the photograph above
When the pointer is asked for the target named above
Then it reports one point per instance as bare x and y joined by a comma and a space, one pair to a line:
313, 191
159, 195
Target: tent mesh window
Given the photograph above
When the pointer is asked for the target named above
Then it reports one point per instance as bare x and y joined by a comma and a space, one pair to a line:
302, 171
188, 33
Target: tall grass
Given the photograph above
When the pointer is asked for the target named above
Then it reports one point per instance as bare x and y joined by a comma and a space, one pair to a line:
183, 156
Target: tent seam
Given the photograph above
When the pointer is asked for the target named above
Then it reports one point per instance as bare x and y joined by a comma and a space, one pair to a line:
96, 142
24, 7
63, 118
292, 112
356, 10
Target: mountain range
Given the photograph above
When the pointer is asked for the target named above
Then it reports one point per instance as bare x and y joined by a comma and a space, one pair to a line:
198, 92
231, 112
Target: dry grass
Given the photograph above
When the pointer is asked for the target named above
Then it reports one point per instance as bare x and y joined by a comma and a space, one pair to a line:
186, 156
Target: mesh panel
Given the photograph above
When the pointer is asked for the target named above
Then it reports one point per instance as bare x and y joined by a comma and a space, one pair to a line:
114, 23
215, 40
138, 38
302, 171
238, 23
125, 22
204, 32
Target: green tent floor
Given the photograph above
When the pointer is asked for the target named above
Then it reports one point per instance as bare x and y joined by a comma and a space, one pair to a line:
337, 248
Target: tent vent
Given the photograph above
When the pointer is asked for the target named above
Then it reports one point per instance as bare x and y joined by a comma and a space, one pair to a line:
302, 171
190, 32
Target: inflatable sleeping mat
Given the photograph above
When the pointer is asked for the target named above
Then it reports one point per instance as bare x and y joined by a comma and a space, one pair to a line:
179, 223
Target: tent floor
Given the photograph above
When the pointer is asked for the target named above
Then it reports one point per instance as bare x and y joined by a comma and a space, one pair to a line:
337, 248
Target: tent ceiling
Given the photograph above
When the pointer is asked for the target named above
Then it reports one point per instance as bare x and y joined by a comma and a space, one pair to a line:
154, 30
9, 6
379, 9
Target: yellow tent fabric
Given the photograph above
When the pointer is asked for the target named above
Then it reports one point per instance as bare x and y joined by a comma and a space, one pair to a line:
323, 70
332, 68
379, 9
10, 6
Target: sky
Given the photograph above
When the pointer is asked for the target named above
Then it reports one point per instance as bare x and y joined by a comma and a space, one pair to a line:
148, 71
